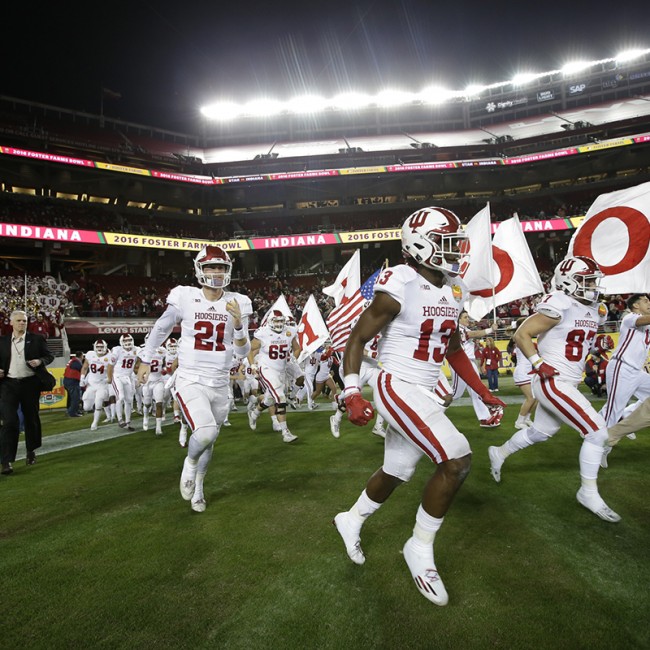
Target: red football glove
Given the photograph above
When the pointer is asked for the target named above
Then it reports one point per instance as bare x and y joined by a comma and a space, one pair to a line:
544, 370
490, 400
360, 410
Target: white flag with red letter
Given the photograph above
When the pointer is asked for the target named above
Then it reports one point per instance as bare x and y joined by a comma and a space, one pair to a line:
347, 281
281, 305
616, 234
514, 271
478, 275
312, 331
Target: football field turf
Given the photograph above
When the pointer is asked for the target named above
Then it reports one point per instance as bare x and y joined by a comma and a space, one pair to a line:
98, 550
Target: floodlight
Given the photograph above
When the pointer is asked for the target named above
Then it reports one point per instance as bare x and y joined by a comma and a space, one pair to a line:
474, 89
307, 104
221, 111
350, 101
628, 55
436, 95
575, 66
263, 107
523, 78
387, 98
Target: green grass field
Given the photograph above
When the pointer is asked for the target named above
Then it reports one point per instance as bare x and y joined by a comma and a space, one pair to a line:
98, 550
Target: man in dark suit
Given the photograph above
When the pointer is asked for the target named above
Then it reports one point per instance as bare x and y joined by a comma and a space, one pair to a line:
23, 357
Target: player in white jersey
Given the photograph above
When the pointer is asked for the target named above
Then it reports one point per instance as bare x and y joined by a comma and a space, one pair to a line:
565, 325
310, 367
120, 374
171, 354
214, 324
273, 344
625, 373
416, 307
153, 390
522, 376
458, 385
95, 380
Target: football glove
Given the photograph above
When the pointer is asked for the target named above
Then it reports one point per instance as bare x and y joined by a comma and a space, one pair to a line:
543, 369
359, 410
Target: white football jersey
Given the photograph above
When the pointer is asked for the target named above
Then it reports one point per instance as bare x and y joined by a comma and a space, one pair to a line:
157, 366
170, 357
414, 344
97, 367
123, 361
467, 342
566, 345
275, 347
205, 349
633, 343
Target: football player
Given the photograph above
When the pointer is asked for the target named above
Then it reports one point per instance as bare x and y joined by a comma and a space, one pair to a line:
416, 306
565, 326
273, 344
120, 374
95, 380
214, 324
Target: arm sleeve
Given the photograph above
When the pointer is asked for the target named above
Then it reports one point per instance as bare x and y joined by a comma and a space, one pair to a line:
160, 331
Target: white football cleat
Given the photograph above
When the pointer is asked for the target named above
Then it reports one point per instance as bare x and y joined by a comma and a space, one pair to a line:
379, 431
145, 422
93, 427
226, 423
198, 505
334, 427
252, 420
313, 407
188, 480
424, 572
496, 463
631, 436
595, 503
350, 537
159, 433
287, 436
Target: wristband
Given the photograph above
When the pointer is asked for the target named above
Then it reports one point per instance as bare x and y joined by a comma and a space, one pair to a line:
239, 332
489, 330
536, 360
351, 381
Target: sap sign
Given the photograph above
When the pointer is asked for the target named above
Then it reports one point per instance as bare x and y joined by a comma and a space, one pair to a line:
576, 89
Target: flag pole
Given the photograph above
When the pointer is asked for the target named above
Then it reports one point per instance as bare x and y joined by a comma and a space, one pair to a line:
494, 300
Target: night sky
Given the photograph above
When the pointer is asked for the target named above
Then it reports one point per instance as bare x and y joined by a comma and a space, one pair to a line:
167, 59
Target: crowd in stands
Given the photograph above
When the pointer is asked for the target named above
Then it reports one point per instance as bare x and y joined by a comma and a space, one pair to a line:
50, 300
66, 213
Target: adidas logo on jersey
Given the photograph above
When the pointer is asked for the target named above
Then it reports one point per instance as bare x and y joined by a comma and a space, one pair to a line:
444, 301
212, 308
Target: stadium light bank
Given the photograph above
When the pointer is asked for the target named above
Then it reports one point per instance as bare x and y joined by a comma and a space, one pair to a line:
311, 104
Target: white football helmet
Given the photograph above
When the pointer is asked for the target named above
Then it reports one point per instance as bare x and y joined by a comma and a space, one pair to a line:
213, 255
126, 341
579, 277
433, 238
100, 347
277, 320
172, 345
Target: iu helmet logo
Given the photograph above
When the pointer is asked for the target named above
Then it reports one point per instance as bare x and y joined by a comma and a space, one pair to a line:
433, 237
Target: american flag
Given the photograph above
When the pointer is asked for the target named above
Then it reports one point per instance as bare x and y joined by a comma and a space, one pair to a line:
340, 320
